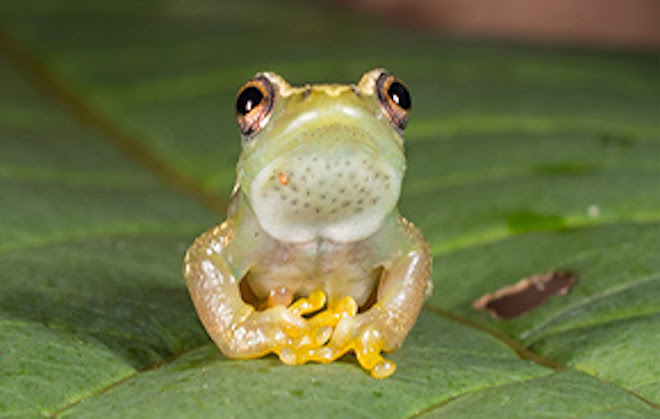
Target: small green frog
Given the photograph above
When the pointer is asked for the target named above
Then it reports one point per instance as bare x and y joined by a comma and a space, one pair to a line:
314, 259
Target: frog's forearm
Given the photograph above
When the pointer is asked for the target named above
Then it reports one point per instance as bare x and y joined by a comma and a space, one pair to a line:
401, 294
214, 290
234, 326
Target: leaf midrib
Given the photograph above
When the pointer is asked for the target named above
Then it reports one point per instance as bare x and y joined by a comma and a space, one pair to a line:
49, 85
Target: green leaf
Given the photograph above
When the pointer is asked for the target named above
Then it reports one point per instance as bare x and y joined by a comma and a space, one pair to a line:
118, 146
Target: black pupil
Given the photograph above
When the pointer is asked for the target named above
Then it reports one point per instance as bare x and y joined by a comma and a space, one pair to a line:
399, 95
248, 99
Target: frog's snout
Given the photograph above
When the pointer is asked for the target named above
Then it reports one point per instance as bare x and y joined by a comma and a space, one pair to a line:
343, 196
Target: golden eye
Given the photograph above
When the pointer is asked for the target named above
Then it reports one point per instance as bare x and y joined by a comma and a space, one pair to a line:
394, 99
254, 103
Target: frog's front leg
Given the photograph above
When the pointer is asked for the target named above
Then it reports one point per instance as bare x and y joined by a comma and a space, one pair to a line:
383, 327
236, 327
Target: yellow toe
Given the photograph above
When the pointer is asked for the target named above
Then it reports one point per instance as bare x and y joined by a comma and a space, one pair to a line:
383, 369
308, 305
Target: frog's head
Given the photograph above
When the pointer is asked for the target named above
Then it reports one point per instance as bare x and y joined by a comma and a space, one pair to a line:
322, 160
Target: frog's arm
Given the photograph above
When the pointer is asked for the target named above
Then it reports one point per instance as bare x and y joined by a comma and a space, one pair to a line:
235, 326
405, 283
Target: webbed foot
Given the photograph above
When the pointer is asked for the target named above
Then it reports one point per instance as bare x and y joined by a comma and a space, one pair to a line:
319, 328
332, 332
364, 339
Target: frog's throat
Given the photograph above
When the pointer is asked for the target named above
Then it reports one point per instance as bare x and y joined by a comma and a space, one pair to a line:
307, 196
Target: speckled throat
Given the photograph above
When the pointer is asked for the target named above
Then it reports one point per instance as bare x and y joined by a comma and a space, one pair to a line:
338, 192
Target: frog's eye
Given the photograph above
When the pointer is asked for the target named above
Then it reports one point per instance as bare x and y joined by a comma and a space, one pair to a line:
254, 103
394, 99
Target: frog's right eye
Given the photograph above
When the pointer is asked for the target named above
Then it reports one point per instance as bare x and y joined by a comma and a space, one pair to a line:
254, 103
394, 99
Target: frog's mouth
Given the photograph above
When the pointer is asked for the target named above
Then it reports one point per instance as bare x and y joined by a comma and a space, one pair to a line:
342, 195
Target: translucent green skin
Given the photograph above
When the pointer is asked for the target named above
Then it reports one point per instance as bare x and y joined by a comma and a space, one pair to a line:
314, 210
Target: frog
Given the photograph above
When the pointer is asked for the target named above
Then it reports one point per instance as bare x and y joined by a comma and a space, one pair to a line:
314, 260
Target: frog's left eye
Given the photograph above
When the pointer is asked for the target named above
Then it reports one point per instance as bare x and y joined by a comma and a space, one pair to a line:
254, 103
394, 99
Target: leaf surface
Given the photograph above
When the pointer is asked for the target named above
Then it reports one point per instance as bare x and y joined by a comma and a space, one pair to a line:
119, 145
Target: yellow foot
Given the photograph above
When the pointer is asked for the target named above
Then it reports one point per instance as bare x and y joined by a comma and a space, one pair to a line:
333, 332
319, 328
366, 343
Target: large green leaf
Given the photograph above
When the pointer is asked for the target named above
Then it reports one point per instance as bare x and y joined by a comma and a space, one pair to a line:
118, 145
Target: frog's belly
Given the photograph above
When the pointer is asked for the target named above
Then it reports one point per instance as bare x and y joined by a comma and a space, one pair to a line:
341, 195
302, 280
